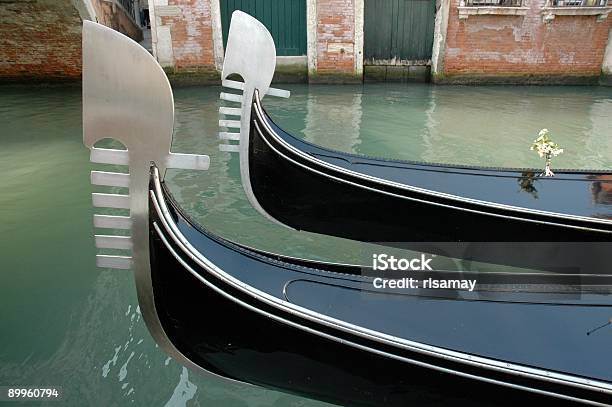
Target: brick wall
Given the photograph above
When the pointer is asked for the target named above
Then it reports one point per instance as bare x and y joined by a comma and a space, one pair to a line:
191, 33
335, 40
524, 48
40, 40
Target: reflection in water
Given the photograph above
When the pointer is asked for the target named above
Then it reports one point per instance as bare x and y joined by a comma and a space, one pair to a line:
334, 120
598, 146
113, 361
602, 189
527, 181
95, 328
394, 121
184, 391
495, 126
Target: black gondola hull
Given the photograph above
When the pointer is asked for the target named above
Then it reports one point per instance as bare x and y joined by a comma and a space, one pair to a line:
228, 339
229, 332
321, 191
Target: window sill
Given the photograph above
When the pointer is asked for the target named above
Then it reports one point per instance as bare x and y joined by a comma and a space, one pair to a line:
549, 13
466, 11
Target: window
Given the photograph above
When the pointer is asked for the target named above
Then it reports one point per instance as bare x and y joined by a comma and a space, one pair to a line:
492, 7
579, 3
576, 8
494, 3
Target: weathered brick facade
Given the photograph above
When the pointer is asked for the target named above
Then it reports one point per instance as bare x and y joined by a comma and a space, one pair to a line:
190, 31
335, 40
40, 40
524, 49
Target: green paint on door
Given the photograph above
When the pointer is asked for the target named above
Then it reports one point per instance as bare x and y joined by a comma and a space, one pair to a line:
400, 30
285, 19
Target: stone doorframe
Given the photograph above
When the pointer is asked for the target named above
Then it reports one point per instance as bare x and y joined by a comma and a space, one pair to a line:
215, 15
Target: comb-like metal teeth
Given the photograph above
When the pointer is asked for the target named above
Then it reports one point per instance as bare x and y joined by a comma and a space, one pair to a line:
188, 161
109, 156
282, 93
111, 179
114, 262
224, 135
116, 201
113, 242
230, 111
230, 148
231, 97
112, 222
230, 124
227, 83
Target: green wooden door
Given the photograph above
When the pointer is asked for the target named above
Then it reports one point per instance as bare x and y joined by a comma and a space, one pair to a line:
285, 19
398, 30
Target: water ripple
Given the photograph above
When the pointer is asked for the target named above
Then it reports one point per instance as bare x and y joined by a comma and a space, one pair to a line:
184, 391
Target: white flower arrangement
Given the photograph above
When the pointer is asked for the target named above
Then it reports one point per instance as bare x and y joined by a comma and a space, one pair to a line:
547, 149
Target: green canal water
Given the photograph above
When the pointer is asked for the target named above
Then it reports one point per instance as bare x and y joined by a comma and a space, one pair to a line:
63, 322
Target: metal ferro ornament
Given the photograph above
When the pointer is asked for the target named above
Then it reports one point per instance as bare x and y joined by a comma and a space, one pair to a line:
127, 97
250, 53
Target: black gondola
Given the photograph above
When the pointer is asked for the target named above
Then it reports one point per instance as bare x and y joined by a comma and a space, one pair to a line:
458, 211
312, 188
